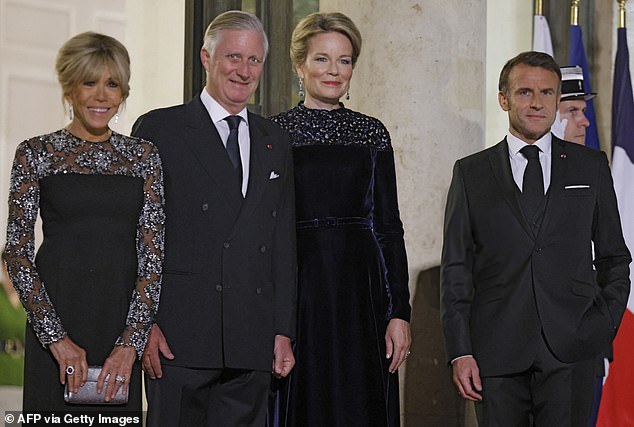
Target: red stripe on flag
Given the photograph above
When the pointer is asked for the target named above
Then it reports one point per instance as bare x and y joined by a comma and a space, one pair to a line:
617, 402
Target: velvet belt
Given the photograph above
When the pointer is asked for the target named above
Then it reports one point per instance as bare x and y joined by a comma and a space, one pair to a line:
331, 221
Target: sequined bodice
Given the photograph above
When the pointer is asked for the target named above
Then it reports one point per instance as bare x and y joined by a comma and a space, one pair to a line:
335, 153
333, 127
45, 161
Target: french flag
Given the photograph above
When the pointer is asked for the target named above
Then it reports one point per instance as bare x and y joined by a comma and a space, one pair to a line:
617, 402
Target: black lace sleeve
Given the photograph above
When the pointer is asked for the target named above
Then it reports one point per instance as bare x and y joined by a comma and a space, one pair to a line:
149, 243
24, 196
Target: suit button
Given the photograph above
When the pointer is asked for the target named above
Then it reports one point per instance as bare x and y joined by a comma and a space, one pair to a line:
226, 245
258, 291
219, 288
262, 249
205, 207
274, 213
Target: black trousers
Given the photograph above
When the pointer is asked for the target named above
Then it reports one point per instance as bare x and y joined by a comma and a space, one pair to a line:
549, 394
188, 397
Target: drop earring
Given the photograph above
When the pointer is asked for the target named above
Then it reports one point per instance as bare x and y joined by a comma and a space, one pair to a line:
116, 118
70, 111
300, 92
347, 95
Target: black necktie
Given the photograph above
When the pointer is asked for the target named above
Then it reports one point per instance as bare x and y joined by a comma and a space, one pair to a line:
533, 184
233, 149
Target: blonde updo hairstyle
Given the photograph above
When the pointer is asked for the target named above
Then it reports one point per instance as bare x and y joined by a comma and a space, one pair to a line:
83, 57
318, 23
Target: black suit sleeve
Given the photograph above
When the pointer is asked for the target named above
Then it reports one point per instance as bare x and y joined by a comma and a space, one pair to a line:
140, 130
456, 291
612, 257
284, 258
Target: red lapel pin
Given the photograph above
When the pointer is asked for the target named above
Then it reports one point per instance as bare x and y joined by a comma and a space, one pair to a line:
269, 146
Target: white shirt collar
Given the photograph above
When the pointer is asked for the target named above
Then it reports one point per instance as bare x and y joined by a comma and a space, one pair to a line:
216, 111
515, 144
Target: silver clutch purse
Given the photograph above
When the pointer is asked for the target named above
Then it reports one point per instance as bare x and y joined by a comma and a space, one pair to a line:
87, 394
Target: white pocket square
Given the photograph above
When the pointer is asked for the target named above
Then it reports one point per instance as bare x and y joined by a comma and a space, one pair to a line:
274, 175
571, 187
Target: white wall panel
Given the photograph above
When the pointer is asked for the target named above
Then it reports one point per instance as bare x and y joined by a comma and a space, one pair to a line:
113, 24
35, 25
33, 106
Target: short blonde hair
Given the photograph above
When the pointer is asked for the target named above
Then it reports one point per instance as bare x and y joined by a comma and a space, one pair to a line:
233, 20
83, 57
318, 23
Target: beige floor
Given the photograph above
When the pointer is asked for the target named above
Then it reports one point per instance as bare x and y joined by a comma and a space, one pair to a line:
10, 399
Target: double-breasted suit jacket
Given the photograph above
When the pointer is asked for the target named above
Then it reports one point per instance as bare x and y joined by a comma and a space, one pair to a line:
229, 278
504, 281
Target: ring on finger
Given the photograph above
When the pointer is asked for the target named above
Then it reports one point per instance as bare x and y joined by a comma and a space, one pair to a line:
119, 379
70, 370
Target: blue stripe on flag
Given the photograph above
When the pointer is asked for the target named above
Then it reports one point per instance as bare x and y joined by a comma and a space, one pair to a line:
578, 57
622, 105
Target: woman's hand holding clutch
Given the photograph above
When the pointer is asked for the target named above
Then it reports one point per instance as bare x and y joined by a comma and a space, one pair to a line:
72, 363
117, 369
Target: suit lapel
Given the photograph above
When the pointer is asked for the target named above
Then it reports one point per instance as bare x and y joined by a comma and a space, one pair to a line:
558, 171
204, 141
501, 167
261, 151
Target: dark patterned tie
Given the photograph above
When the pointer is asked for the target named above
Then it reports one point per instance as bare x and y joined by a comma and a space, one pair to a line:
233, 149
533, 184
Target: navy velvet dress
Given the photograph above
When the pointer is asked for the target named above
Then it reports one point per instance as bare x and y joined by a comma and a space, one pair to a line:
352, 271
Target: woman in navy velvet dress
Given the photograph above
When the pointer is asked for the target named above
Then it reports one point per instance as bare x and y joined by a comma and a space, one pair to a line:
353, 314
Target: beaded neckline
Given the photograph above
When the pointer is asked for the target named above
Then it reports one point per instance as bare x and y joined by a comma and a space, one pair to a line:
339, 110
77, 138
338, 127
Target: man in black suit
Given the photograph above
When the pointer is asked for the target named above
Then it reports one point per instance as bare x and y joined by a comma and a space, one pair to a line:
227, 309
524, 312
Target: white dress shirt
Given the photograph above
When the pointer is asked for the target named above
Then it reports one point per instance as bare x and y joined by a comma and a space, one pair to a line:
519, 162
218, 114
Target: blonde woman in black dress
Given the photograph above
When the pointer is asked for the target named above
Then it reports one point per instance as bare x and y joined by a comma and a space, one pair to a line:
93, 288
